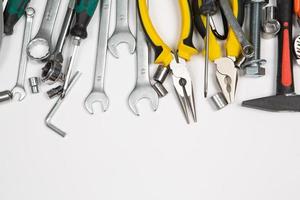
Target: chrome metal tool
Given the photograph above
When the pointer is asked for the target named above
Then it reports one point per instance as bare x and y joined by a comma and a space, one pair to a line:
143, 88
40, 47
53, 111
19, 87
122, 33
97, 93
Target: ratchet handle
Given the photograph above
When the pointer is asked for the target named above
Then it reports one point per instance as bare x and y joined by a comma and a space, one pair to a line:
285, 79
14, 10
84, 11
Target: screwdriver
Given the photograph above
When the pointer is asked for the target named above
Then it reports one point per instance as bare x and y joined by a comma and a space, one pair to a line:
208, 8
84, 11
14, 10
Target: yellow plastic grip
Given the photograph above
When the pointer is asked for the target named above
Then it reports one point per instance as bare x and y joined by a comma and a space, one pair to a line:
233, 47
163, 52
186, 48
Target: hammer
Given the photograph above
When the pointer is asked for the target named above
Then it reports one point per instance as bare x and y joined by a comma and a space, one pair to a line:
285, 98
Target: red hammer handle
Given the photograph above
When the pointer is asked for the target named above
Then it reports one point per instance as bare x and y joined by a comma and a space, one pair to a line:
285, 79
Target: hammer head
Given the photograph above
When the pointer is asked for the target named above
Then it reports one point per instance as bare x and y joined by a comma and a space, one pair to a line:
275, 103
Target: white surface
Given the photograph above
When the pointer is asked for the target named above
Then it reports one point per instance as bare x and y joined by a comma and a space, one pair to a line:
233, 154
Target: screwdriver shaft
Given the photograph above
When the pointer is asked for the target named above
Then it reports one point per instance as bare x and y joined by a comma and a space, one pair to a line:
206, 56
70, 66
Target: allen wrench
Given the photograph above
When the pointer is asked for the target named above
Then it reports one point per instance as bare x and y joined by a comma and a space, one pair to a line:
53, 111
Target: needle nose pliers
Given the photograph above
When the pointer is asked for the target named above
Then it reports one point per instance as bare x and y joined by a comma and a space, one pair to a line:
174, 60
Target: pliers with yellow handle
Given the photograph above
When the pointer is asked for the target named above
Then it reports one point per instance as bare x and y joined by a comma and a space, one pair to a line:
175, 60
226, 73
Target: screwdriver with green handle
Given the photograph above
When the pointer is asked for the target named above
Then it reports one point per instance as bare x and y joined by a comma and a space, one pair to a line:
14, 10
84, 11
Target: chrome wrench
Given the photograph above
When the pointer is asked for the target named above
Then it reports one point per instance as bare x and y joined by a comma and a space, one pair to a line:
143, 88
53, 69
19, 87
40, 47
247, 47
122, 33
98, 93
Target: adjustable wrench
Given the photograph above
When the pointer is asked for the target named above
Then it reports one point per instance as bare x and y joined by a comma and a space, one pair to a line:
98, 94
19, 87
122, 33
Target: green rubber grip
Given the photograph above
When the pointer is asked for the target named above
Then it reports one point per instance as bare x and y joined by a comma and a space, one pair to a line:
84, 11
14, 10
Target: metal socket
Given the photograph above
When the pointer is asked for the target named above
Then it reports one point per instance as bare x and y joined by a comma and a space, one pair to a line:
34, 83
6, 96
219, 101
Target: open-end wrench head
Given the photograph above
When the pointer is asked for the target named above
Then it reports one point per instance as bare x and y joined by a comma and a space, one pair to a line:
96, 97
19, 91
118, 38
139, 93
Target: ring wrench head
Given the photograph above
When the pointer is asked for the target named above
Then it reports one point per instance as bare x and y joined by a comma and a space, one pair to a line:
38, 49
248, 51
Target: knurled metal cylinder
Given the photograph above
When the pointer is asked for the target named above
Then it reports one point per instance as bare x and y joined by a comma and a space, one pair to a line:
34, 84
5, 96
161, 74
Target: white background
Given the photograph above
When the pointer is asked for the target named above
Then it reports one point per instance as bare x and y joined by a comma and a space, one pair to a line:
233, 154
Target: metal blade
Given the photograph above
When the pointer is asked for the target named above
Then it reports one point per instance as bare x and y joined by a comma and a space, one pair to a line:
1, 22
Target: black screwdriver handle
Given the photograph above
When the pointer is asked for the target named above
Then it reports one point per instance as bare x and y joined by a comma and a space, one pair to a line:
285, 78
14, 10
84, 11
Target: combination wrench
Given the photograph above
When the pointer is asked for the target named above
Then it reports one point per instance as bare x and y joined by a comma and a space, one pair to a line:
247, 47
52, 71
40, 47
143, 88
98, 93
19, 87
122, 33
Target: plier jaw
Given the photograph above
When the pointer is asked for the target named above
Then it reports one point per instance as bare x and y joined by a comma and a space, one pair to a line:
184, 88
227, 77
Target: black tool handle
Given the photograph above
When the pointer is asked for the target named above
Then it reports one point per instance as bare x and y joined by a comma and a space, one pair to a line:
285, 79
14, 10
84, 11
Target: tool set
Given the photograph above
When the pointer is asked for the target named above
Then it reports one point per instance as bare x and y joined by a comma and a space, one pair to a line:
232, 45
